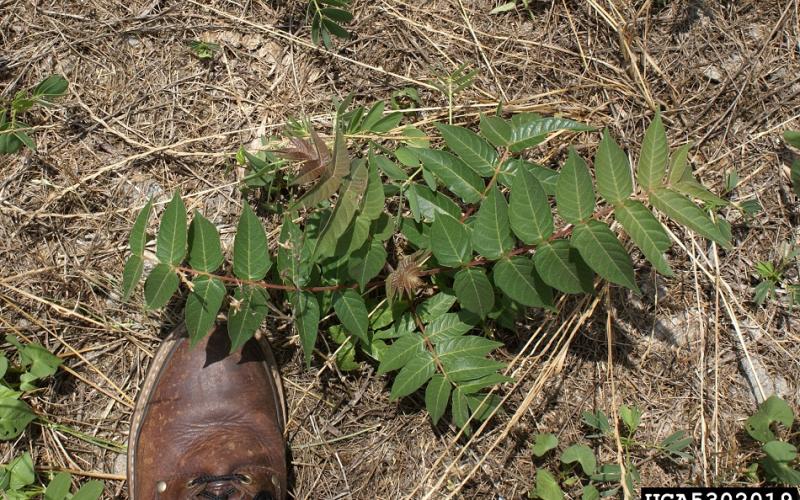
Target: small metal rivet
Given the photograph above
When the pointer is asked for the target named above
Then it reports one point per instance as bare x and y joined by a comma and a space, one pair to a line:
161, 486
246, 479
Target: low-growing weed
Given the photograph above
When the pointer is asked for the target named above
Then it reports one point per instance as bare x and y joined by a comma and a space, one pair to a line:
772, 275
18, 482
327, 18
205, 51
579, 469
409, 246
780, 459
792, 137
17, 478
13, 132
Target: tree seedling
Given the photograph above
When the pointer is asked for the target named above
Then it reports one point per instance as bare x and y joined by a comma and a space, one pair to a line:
409, 250
13, 132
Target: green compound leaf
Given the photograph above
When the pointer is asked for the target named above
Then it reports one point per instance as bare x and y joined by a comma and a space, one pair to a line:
466, 368
472, 345
455, 174
419, 369
590, 492
293, 254
387, 166
530, 133
780, 451
491, 232
401, 352
437, 395
426, 204
792, 137
202, 306
608, 473
676, 442
261, 172
251, 259
694, 189
613, 171
547, 487
682, 210
598, 421
776, 464
306, 320
205, 253
518, 279
645, 230
478, 154
474, 291
774, 409
446, 326
26, 139
484, 382
654, 157
15, 415
496, 130
574, 192
138, 237
450, 241
562, 267
352, 312
435, 306
543, 443
547, 177
388, 123
460, 410
92, 490
346, 208
39, 362
374, 115
9, 143
679, 169
407, 156
374, 198
171, 246
504, 7
583, 455
51, 87
481, 405
418, 235
59, 487
19, 474
244, 321
529, 210
353, 239
159, 286
131, 275
603, 252
366, 263
631, 416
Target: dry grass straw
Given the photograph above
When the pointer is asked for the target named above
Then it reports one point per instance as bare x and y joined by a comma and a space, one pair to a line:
144, 118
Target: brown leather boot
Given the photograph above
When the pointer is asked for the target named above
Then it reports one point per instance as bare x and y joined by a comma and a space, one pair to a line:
208, 424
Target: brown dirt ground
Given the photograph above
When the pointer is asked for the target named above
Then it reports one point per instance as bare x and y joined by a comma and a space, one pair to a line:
145, 117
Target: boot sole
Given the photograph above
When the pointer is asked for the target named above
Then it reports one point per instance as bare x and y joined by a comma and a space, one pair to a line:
164, 353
